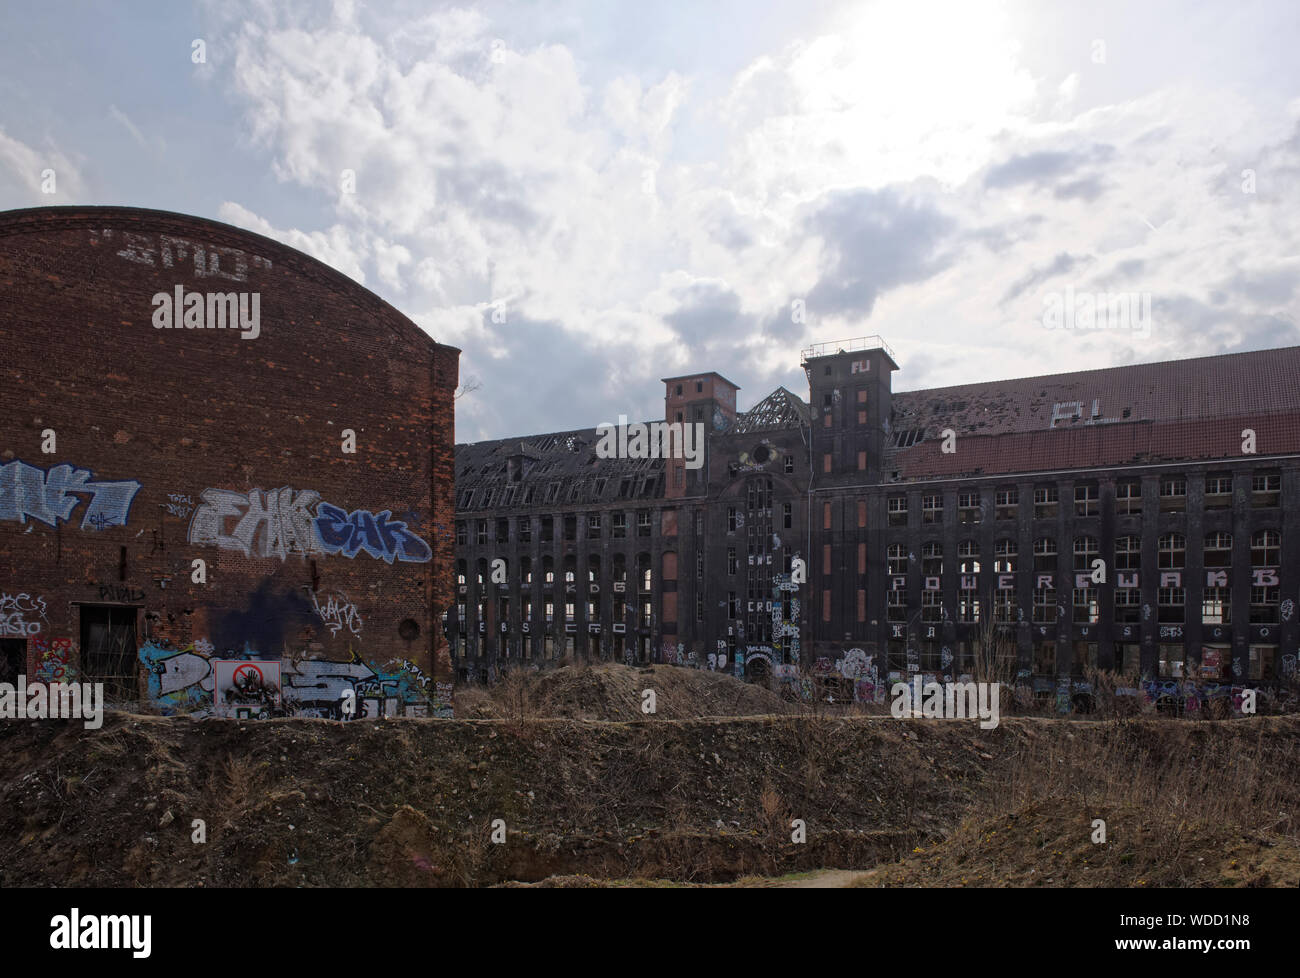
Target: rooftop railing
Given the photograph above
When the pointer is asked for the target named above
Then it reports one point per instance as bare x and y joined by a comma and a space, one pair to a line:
848, 346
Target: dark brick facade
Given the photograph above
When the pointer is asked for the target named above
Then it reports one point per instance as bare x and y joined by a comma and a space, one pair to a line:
917, 559
174, 445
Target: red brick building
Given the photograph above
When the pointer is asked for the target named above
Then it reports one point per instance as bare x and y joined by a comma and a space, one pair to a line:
216, 450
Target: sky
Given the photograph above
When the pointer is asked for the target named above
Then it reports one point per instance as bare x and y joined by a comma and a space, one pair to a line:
586, 197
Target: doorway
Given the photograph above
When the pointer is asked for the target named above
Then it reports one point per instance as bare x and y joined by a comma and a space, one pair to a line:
108, 650
13, 659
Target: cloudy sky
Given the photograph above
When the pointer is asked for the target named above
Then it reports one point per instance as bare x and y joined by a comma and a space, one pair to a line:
588, 196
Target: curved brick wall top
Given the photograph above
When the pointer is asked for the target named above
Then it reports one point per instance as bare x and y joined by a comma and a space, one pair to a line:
145, 221
133, 443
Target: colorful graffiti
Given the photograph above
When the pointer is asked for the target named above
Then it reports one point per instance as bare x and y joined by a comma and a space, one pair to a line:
51, 496
19, 614
193, 681
54, 659
860, 667
674, 653
320, 688
1191, 697
283, 521
179, 680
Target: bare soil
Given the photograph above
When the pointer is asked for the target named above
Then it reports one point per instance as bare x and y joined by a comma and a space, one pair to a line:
649, 800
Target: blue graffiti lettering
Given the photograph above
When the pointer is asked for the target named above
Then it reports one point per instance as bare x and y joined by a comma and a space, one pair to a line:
50, 497
376, 534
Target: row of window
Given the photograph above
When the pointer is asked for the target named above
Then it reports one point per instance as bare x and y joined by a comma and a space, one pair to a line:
484, 574
1171, 553
1263, 661
618, 606
615, 646
1265, 490
580, 491
568, 527
1047, 606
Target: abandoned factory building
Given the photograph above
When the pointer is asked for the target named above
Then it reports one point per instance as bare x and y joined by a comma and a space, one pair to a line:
226, 473
1127, 519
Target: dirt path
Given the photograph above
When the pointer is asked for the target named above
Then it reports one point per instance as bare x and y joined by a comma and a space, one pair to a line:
827, 879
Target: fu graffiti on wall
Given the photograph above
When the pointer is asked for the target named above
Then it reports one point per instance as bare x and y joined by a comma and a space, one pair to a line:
21, 615
51, 496
285, 521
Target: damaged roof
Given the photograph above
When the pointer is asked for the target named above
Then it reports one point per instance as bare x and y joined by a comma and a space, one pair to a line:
1168, 411
559, 467
562, 466
780, 409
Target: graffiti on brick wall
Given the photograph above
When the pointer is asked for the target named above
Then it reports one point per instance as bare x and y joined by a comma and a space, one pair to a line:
361, 530
121, 593
170, 251
54, 658
752, 654
272, 524
674, 653
21, 615
321, 688
179, 680
51, 496
860, 667
337, 612
280, 522
785, 630
179, 504
1194, 697
193, 680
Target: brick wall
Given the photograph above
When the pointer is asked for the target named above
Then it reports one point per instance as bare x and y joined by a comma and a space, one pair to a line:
179, 444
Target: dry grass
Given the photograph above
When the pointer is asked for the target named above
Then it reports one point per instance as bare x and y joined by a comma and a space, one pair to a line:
1191, 807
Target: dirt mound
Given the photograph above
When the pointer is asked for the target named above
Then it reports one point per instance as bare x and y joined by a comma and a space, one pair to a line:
1048, 847
609, 691
170, 801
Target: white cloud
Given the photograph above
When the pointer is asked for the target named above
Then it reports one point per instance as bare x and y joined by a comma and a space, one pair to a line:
922, 183
23, 174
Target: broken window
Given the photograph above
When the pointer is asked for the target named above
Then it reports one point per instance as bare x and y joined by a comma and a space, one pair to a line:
1128, 498
1046, 502
1265, 488
1173, 494
1218, 491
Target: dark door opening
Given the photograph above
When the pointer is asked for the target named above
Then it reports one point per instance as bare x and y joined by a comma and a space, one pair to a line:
108, 653
13, 659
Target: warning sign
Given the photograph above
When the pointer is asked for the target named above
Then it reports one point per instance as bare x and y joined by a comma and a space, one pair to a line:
246, 690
